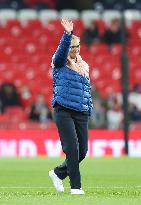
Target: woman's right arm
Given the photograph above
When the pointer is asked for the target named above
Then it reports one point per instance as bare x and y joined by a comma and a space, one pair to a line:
61, 54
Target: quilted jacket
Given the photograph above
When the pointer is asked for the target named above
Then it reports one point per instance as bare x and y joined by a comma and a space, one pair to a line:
70, 89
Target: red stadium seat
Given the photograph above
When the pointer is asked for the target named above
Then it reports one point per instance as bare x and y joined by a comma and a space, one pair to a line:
16, 113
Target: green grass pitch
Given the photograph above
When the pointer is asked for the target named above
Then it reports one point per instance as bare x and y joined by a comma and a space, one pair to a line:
106, 181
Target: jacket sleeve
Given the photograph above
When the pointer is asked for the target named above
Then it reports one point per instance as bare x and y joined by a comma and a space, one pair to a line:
61, 54
91, 102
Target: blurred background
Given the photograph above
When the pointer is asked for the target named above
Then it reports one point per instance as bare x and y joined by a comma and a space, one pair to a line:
110, 33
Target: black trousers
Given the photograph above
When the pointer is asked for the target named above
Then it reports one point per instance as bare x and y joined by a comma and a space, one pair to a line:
73, 131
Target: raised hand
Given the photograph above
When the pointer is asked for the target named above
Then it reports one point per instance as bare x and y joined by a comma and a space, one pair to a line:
67, 25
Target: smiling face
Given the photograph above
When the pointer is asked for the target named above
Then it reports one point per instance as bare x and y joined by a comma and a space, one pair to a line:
74, 47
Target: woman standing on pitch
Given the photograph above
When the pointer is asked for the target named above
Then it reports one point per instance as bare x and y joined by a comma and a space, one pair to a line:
72, 103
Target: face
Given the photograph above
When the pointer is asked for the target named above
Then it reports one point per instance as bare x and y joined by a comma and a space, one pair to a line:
40, 99
74, 48
115, 25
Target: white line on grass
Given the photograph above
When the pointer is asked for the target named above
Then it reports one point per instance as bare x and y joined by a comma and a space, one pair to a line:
45, 187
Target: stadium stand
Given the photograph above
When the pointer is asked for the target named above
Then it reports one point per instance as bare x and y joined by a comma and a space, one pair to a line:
69, 13
7, 14
46, 15
108, 15
27, 50
88, 15
118, 5
27, 14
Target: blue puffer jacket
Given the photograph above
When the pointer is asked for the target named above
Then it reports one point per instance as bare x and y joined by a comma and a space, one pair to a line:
70, 89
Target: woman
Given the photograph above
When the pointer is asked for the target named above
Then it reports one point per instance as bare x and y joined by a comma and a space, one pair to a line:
72, 103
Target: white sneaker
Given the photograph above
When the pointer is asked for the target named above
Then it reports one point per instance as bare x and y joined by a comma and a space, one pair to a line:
77, 191
58, 184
